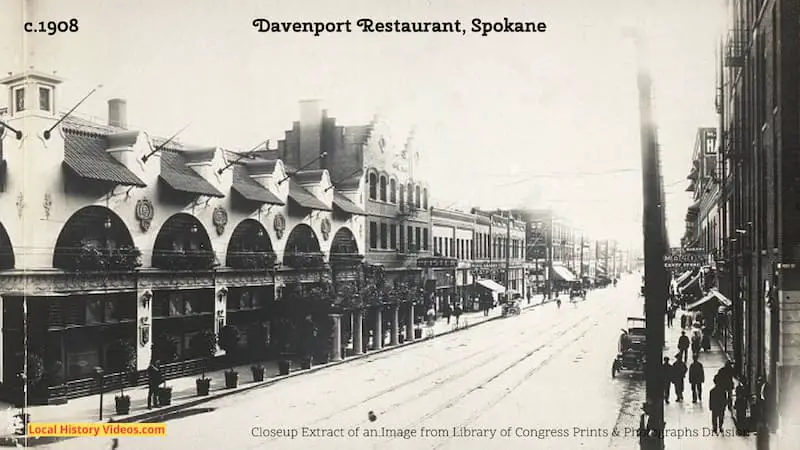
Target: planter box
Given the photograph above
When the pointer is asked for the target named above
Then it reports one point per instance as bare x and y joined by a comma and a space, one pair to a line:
203, 386
164, 396
258, 373
305, 363
284, 367
122, 404
231, 379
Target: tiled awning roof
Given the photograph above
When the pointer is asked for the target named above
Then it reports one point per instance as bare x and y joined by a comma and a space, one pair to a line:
344, 204
181, 178
86, 156
250, 189
303, 198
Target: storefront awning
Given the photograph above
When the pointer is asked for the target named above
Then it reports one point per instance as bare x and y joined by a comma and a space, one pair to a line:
178, 176
86, 156
695, 281
345, 205
305, 199
685, 276
713, 295
492, 286
563, 274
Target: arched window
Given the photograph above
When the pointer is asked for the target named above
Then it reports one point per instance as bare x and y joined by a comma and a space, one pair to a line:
425, 198
402, 193
373, 186
383, 188
393, 191
410, 194
417, 197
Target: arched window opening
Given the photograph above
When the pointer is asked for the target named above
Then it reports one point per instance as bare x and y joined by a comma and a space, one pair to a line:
250, 247
425, 198
373, 186
417, 198
302, 249
383, 188
410, 194
402, 195
183, 244
393, 191
6, 250
95, 239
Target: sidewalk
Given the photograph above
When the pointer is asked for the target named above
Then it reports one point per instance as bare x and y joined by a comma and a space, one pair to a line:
184, 394
695, 419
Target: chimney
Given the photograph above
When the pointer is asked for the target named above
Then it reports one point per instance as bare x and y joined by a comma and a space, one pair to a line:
117, 113
310, 134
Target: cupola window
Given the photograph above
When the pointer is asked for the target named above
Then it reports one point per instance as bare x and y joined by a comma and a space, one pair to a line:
45, 100
19, 99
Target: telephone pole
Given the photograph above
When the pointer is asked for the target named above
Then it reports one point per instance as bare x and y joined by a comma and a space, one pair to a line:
655, 244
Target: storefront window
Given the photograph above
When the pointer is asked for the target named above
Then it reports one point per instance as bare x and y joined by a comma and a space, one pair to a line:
94, 311
176, 305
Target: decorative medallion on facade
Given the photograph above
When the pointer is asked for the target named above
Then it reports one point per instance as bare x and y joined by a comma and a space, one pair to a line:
20, 204
220, 219
144, 331
279, 224
47, 204
325, 227
144, 213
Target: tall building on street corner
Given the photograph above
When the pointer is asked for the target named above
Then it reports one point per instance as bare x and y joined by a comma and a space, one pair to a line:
503, 260
552, 256
752, 236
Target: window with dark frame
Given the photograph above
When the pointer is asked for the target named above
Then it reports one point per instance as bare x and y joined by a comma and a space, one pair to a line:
393, 191
384, 236
410, 237
373, 186
383, 188
373, 235
44, 98
425, 239
393, 237
19, 99
401, 239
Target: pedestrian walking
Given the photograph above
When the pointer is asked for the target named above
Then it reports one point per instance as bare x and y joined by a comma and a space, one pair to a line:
666, 369
670, 316
683, 345
678, 377
726, 375
740, 406
696, 342
447, 311
684, 321
716, 403
153, 380
457, 311
697, 376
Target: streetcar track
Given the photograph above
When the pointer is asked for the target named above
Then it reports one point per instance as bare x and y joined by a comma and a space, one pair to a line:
480, 412
455, 399
559, 333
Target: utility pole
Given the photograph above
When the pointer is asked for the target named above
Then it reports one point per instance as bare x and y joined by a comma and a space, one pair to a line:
549, 260
654, 250
580, 269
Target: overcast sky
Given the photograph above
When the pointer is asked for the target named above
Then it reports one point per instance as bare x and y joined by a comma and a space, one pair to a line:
506, 120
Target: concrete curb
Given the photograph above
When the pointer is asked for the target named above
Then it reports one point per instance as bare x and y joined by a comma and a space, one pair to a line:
165, 413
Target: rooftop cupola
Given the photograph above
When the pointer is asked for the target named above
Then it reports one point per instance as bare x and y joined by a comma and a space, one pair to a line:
31, 92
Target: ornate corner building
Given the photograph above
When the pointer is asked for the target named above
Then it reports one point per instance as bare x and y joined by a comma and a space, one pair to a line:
110, 235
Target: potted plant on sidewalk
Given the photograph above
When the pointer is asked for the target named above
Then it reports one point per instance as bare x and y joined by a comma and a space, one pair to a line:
229, 337
122, 358
204, 346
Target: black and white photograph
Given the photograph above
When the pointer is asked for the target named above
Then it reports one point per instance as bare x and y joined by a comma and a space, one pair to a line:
418, 224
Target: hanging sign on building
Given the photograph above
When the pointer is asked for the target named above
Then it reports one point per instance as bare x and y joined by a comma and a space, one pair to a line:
678, 258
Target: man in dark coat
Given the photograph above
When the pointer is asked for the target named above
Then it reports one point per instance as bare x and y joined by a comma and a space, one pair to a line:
683, 345
153, 380
697, 376
717, 400
667, 371
678, 376
670, 315
726, 375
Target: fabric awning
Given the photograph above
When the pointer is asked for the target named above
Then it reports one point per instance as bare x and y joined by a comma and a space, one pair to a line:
713, 295
177, 175
344, 204
250, 190
86, 156
685, 276
563, 274
492, 285
695, 281
303, 198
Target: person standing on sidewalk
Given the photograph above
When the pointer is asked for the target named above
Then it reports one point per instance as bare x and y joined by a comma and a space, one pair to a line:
670, 316
153, 380
726, 375
678, 377
697, 376
447, 311
667, 370
683, 346
717, 399
740, 406
457, 312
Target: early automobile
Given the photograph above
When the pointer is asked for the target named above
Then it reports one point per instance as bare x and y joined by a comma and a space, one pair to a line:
511, 308
631, 351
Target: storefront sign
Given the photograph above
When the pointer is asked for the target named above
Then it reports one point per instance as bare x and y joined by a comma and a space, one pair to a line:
680, 259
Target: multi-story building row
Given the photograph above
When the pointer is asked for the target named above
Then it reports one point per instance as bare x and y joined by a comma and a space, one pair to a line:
745, 213
112, 238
